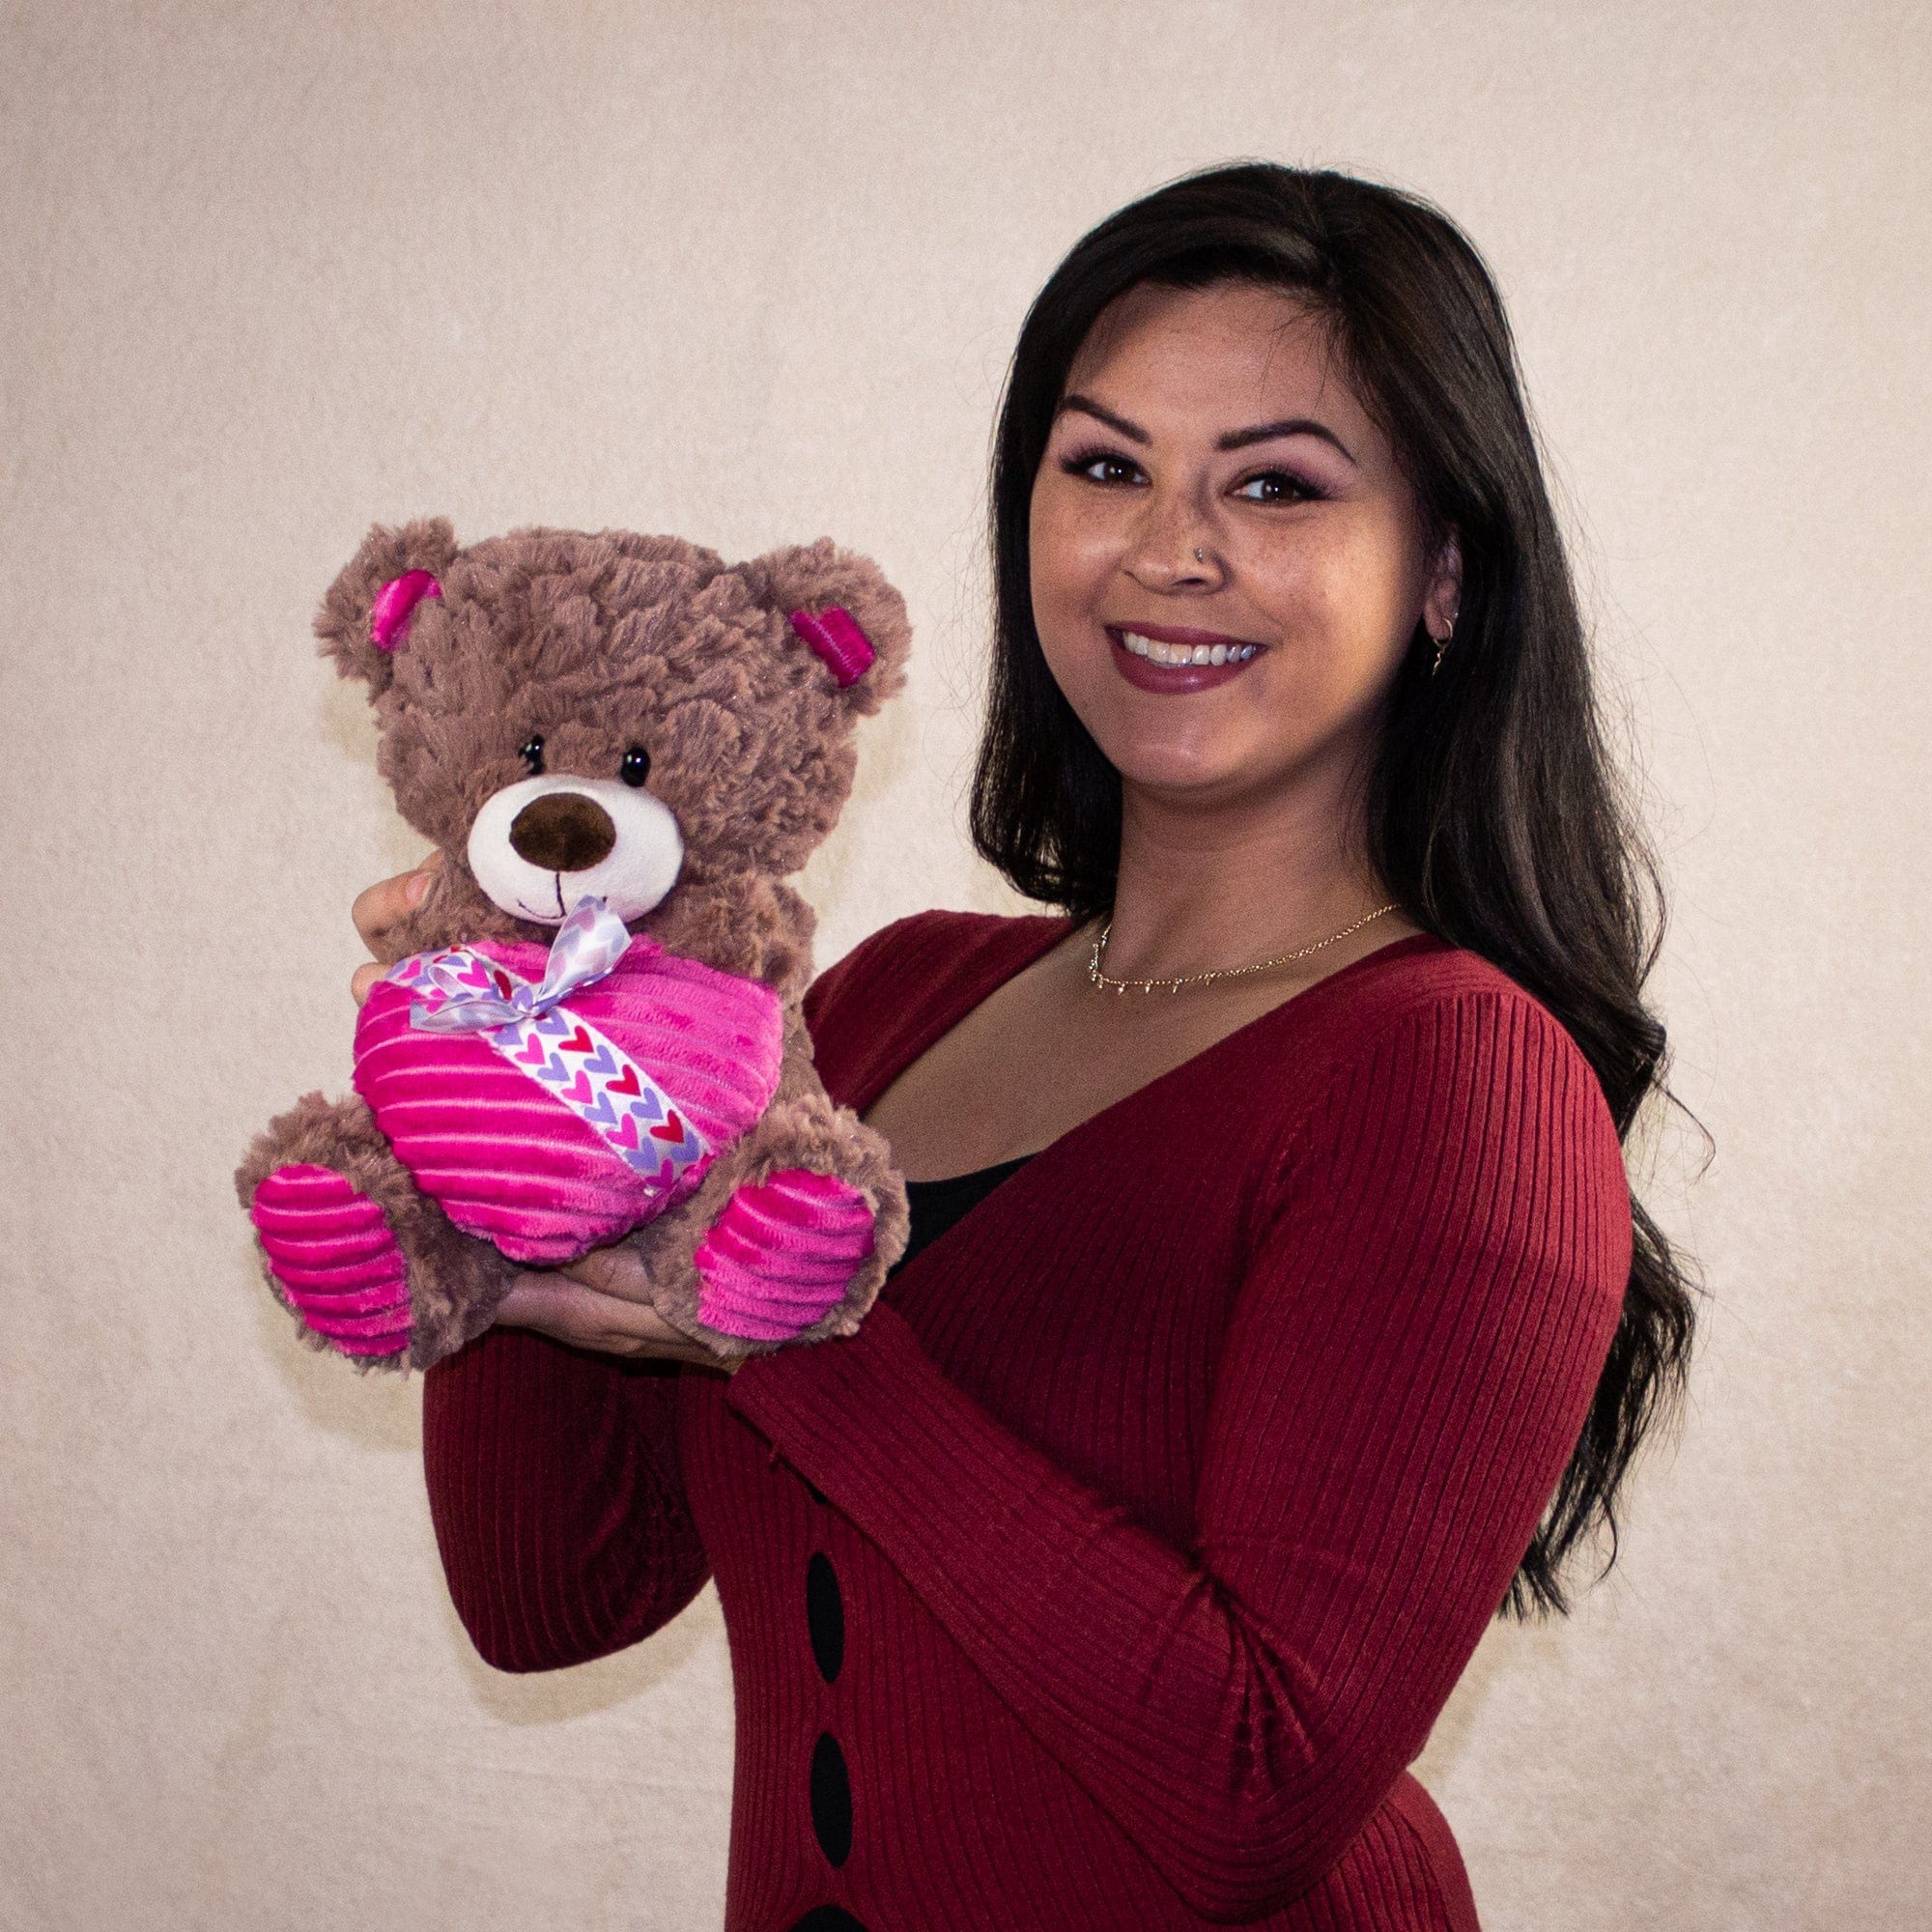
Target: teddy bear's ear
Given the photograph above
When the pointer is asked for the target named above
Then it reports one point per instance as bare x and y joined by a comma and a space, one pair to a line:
839, 604
365, 617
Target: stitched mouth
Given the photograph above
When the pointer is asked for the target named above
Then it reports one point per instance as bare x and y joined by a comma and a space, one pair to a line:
557, 885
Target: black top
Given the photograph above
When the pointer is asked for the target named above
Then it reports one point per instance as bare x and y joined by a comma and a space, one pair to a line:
936, 1205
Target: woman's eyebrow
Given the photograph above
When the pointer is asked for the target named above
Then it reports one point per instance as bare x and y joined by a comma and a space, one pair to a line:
1088, 407
1240, 439
1236, 439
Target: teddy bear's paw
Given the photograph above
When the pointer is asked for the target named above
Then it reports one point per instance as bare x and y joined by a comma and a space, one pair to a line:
782, 1254
335, 1259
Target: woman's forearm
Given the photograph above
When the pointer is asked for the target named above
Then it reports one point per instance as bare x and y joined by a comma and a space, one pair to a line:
554, 1489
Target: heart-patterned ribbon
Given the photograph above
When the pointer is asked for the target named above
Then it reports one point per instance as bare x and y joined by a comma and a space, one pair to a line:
562, 1053
468, 993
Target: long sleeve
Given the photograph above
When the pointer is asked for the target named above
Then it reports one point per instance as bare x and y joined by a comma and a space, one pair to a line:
1433, 1279
559, 1512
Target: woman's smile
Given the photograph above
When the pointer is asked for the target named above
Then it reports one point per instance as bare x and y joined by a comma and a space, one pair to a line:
1173, 660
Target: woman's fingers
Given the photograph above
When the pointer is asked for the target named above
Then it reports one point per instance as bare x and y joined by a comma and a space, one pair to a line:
616, 1270
379, 908
602, 1301
568, 1311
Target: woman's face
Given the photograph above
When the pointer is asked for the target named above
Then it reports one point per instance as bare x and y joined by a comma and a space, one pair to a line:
1213, 483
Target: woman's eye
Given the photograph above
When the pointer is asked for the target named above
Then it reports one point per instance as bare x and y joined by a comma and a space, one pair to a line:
1103, 469
637, 766
1276, 486
531, 751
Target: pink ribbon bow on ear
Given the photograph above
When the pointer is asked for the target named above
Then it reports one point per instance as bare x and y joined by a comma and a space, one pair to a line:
468, 993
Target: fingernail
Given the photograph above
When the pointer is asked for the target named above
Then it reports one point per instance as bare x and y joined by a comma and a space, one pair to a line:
417, 886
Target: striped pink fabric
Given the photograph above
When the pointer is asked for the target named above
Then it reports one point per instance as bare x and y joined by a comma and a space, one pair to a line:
782, 1254
336, 1260
509, 1163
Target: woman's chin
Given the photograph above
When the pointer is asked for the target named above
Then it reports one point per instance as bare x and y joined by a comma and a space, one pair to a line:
1182, 775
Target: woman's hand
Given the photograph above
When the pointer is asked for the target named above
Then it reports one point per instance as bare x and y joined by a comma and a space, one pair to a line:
381, 907
602, 1302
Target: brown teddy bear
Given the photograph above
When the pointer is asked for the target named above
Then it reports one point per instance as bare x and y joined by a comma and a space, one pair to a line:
592, 1028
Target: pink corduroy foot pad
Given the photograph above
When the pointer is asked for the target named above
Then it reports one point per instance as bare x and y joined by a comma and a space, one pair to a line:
332, 1250
782, 1254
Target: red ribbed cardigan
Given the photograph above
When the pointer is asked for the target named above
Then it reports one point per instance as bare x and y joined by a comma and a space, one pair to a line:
1166, 1495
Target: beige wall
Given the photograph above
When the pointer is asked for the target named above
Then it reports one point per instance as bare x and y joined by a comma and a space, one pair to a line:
750, 273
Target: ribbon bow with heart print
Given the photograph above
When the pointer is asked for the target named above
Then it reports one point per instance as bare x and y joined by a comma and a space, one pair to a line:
565, 1055
466, 992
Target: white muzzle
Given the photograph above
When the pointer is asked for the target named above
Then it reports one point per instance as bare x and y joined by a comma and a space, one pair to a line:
540, 845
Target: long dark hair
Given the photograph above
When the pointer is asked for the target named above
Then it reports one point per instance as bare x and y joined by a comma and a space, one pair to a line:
1494, 813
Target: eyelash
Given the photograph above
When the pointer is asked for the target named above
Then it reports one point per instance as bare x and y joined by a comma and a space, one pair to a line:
1305, 491
1078, 465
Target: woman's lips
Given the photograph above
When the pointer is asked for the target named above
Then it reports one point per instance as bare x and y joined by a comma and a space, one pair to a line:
1148, 674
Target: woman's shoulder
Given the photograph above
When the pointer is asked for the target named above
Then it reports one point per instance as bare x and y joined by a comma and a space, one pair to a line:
1429, 1089
1424, 1026
1403, 983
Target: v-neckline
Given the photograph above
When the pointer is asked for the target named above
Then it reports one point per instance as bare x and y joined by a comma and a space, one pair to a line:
1055, 929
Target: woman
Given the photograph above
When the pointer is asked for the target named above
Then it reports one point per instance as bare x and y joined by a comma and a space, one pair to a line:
1276, 1306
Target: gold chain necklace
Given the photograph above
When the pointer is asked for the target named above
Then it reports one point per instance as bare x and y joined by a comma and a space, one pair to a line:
1102, 981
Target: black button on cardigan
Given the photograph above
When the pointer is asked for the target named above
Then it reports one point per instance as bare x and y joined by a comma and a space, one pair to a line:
831, 1800
824, 1615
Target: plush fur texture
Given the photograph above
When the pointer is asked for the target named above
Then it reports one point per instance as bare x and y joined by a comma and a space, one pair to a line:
599, 644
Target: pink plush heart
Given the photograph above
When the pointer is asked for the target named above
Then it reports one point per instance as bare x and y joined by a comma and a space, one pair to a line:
505, 1160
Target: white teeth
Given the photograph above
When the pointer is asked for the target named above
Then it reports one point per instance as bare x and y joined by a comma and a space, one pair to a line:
1157, 652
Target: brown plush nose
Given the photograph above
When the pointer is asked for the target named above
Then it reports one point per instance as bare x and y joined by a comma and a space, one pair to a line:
564, 832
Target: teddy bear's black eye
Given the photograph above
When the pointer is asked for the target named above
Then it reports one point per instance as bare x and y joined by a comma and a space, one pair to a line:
637, 766
531, 751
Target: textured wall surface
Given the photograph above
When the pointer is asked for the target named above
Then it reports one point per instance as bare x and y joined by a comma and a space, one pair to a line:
750, 274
